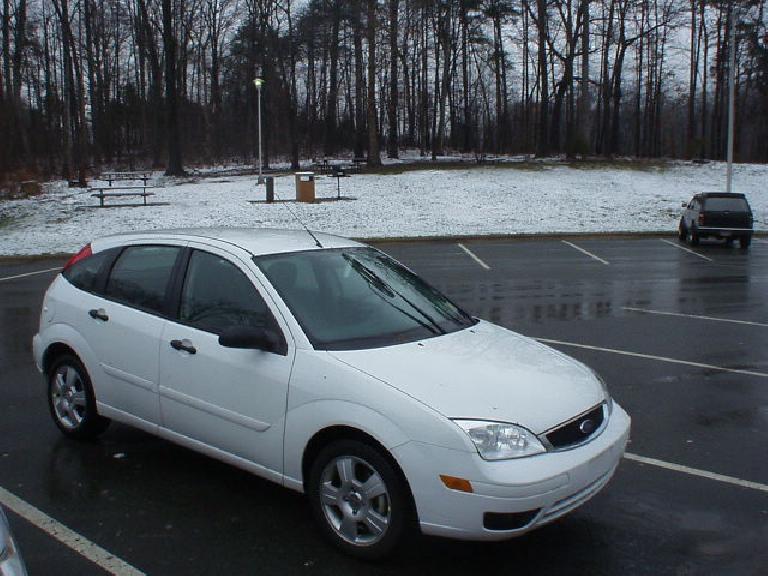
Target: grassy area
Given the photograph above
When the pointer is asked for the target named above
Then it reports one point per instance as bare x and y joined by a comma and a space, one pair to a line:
532, 165
640, 165
395, 169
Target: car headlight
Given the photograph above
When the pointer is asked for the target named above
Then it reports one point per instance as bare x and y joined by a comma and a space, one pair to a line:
10, 561
501, 441
606, 392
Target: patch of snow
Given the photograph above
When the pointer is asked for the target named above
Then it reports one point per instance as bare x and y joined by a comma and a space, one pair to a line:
503, 199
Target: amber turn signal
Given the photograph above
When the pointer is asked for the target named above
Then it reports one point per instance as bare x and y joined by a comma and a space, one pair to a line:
459, 484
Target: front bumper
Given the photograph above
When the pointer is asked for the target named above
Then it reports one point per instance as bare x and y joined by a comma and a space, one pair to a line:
538, 489
37, 351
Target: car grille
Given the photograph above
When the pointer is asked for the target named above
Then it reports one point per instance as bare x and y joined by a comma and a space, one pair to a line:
578, 430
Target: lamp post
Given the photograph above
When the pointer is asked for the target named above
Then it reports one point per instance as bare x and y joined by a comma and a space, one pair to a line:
258, 82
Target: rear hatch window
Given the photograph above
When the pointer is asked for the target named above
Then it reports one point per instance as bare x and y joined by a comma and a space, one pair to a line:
722, 204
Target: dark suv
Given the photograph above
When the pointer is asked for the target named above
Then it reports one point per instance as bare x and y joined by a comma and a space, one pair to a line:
717, 215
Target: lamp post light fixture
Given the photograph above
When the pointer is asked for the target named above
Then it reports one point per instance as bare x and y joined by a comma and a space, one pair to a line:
259, 82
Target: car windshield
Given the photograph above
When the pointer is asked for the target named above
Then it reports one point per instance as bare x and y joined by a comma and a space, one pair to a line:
723, 204
357, 298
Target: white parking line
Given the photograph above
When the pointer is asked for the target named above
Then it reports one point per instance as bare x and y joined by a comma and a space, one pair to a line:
93, 552
30, 274
686, 249
473, 256
697, 472
695, 316
572, 245
651, 357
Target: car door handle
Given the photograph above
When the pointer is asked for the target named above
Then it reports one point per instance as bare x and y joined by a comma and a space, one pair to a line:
99, 314
184, 345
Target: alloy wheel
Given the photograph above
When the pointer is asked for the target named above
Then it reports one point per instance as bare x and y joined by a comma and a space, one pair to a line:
355, 500
68, 397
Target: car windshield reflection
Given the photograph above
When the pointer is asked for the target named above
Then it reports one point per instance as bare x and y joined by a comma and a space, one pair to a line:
359, 298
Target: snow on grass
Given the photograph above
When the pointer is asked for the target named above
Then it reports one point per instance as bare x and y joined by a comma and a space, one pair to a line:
503, 199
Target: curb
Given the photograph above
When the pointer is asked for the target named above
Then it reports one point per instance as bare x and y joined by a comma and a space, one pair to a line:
529, 237
536, 236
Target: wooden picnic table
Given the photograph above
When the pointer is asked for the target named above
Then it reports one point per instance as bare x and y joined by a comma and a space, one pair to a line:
103, 192
126, 176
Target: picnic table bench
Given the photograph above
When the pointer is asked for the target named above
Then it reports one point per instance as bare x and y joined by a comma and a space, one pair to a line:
103, 192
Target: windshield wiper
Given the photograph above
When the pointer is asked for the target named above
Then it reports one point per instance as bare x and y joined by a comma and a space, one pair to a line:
382, 285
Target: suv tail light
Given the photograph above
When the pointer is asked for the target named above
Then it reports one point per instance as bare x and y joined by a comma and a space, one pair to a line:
84, 253
701, 218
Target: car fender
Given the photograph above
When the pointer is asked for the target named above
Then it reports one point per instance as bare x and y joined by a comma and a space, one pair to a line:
303, 422
65, 334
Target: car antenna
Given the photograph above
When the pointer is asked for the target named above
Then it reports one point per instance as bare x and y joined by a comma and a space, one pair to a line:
299, 220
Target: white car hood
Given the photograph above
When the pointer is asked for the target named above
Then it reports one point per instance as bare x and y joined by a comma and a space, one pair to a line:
485, 372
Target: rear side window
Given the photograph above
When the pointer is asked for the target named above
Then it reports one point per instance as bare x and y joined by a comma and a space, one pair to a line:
718, 204
217, 295
85, 273
141, 275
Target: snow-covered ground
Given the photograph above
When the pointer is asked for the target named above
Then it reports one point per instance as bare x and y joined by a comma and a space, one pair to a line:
539, 198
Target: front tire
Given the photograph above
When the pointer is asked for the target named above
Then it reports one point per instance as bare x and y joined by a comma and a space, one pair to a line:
682, 232
71, 399
359, 499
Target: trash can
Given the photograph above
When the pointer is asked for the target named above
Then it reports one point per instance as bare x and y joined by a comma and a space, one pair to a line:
305, 186
270, 182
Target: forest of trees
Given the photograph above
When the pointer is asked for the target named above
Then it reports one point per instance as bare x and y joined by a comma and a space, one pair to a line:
167, 83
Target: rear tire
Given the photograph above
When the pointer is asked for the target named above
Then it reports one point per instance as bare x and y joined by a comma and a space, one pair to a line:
745, 241
693, 237
359, 499
71, 399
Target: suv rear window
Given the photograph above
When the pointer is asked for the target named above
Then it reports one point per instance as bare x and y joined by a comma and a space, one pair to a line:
722, 204
140, 276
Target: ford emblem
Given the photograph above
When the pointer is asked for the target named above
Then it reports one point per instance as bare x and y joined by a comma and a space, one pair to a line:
587, 427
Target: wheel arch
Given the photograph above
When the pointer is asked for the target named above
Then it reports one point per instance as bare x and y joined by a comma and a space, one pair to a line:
334, 433
54, 351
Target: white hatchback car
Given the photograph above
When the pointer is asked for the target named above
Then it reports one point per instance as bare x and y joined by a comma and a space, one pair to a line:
324, 365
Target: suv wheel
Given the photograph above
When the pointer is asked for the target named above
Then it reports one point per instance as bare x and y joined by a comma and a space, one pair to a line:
681, 231
71, 400
359, 499
745, 241
692, 237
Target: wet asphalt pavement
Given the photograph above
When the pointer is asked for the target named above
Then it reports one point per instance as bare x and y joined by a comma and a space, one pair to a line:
167, 510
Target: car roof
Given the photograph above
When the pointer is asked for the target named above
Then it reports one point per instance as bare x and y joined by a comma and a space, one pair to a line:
720, 195
257, 241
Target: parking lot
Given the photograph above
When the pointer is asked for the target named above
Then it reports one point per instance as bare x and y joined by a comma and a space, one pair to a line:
679, 334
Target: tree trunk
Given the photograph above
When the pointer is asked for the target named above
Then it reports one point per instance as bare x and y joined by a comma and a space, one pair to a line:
466, 142
392, 139
694, 64
584, 100
175, 167
374, 156
329, 141
360, 111
542, 148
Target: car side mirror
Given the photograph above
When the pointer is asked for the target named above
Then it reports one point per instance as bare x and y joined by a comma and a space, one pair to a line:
684, 204
249, 338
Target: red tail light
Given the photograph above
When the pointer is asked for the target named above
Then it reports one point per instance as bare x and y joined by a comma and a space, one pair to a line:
84, 253
701, 218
